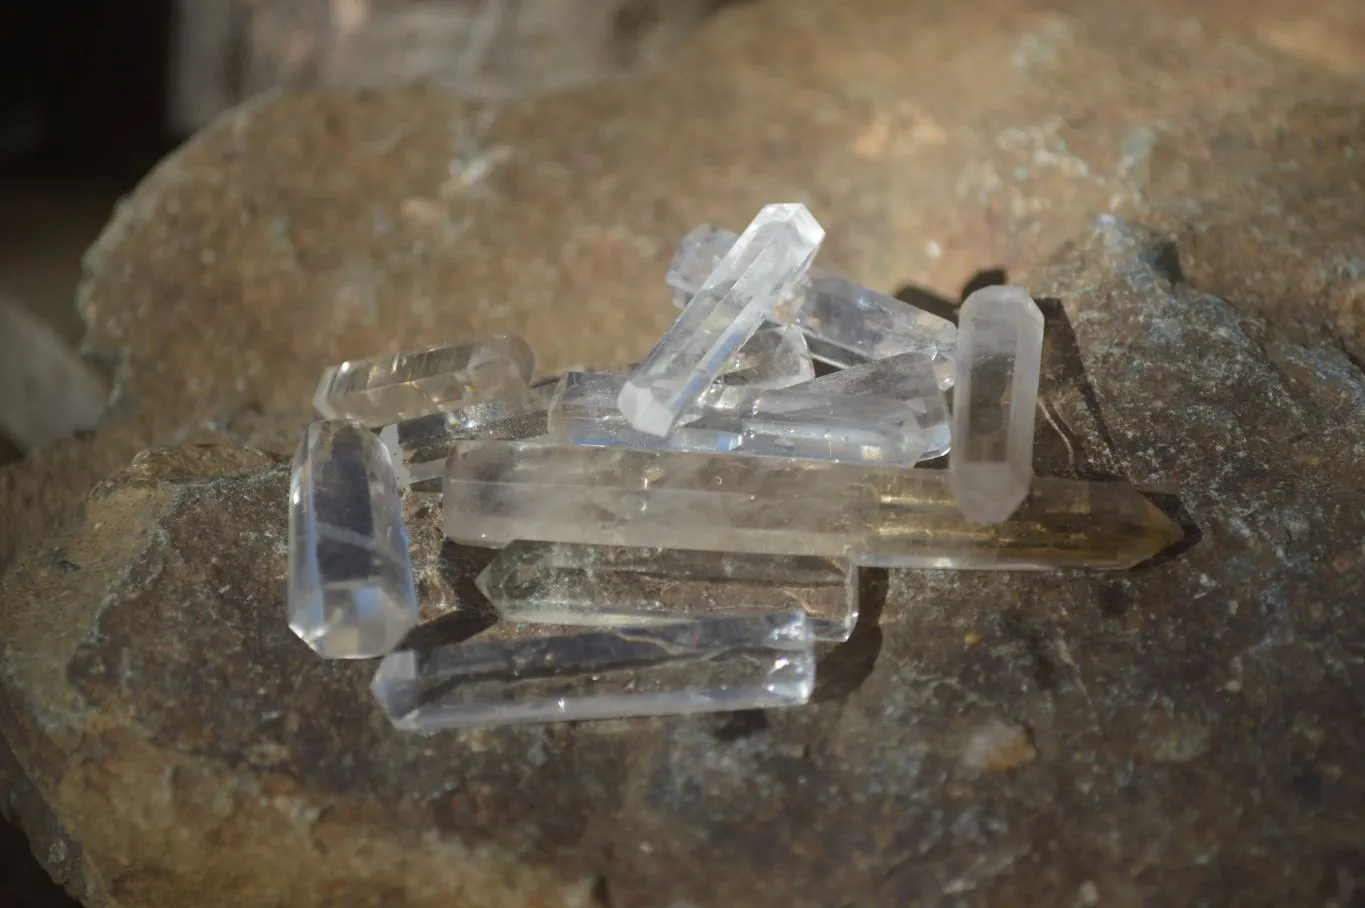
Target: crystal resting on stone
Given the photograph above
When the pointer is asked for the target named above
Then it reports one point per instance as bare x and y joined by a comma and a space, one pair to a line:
846, 324
999, 356
726, 310
419, 446
389, 389
517, 673
787, 422
775, 357
907, 377
603, 585
350, 579
496, 492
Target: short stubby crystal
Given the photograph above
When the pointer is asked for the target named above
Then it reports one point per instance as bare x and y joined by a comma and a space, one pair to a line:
726, 310
517, 673
350, 576
387, 389
999, 358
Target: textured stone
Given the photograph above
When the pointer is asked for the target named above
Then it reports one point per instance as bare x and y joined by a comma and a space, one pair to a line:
1208, 698
295, 232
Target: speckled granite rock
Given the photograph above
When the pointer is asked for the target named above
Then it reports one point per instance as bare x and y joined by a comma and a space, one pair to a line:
1179, 733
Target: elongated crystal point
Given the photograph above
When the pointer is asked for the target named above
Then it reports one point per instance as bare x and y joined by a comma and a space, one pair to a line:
999, 357
350, 579
389, 389
530, 673
846, 324
496, 492
787, 422
419, 446
726, 310
610, 586
907, 377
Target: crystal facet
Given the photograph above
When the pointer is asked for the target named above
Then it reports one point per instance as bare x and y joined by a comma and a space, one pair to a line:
788, 422
419, 446
726, 310
603, 585
534, 673
389, 389
845, 323
907, 377
350, 579
999, 356
496, 492
775, 357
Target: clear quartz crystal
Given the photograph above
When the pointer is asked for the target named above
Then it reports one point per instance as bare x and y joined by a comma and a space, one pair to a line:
1000, 353
350, 579
603, 585
775, 357
787, 422
846, 324
536, 673
496, 492
419, 446
389, 389
726, 310
907, 377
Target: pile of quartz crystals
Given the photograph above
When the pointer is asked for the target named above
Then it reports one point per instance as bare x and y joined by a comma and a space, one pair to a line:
678, 536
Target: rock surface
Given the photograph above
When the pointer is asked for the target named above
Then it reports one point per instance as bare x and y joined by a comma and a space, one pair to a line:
1182, 732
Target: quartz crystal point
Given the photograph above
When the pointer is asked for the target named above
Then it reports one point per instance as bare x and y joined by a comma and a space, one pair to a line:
496, 492
726, 310
907, 377
533, 673
389, 389
350, 580
775, 357
999, 355
603, 585
788, 422
419, 446
845, 323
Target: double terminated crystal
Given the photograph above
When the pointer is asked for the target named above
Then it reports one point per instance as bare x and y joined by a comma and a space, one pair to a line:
846, 323
350, 578
1000, 352
726, 310
497, 492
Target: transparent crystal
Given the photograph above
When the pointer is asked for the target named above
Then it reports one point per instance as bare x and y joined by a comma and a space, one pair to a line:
846, 324
496, 492
604, 585
389, 389
419, 446
726, 310
999, 356
535, 673
775, 357
787, 422
906, 377
350, 578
